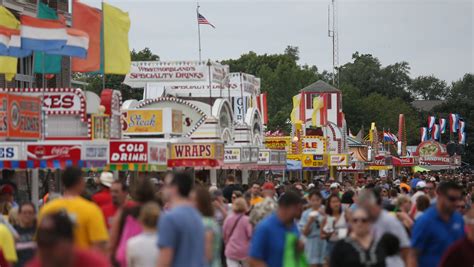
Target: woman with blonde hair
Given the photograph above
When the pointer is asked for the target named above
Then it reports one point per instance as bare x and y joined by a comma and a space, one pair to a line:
237, 233
141, 249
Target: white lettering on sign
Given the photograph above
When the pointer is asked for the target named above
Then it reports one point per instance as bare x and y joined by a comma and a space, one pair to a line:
128, 152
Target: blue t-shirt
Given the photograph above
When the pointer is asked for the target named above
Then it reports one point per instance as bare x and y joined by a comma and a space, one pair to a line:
182, 230
268, 240
413, 183
431, 236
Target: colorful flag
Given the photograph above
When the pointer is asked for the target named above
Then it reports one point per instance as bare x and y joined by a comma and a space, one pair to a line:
89, 20
453, 122
294, 116
5, 35
203, 20
462, 138
262, 107
462, 126
8, 65
431, 122
42, 34
10, 43
435, 133
76, 46
423, 134
116, 50
442, 125
389, 137
45, 63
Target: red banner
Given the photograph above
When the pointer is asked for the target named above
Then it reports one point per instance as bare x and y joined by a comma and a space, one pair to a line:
54, 152
128, 152
403, 161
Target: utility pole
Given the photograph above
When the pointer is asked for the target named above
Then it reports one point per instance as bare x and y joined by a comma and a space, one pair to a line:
333, 34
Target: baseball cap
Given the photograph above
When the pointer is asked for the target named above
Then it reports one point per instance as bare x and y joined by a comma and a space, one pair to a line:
396, 182
106, 178
311, 185
6, 189
421, 184
268, 186
334, 185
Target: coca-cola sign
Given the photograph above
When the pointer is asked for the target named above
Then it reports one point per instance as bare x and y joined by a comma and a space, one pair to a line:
54, 152
381, 160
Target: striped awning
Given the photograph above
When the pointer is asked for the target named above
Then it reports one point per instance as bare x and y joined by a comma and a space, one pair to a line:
50, 164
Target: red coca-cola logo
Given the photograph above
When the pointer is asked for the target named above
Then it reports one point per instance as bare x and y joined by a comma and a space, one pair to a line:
39, 151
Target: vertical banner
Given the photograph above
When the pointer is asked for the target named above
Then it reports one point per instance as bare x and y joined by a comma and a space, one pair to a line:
3, 115
240, 107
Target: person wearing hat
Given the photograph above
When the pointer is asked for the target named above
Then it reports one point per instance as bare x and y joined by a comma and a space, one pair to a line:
266, 207
103, 197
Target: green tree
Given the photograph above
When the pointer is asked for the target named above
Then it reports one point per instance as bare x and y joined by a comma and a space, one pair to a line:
367, 74
428, 88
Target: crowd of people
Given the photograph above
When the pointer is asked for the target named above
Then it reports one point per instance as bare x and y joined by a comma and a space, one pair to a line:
424, 220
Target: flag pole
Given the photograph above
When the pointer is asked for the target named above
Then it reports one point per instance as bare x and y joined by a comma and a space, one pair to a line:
102, 52
199, 29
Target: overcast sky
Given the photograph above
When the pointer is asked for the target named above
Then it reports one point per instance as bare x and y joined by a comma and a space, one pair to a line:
435, 37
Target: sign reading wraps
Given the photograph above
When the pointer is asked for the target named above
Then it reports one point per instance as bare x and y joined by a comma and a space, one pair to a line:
232, 155
54, 152
143, 121
197, 151
314, 145
122, 152
313, 161
9, 152
338, 160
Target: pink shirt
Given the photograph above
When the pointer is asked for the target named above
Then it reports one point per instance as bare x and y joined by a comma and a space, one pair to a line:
237, 245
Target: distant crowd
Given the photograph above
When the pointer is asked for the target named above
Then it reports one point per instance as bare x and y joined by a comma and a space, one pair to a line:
422, 219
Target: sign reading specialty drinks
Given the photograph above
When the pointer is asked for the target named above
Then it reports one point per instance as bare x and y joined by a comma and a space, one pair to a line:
172, 72
128, 152
143, 121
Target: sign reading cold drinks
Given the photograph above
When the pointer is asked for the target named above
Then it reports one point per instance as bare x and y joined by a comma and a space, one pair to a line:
128, 152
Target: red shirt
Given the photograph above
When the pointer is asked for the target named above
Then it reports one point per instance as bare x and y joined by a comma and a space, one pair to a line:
460, 254
109, 212
102, 198
82, 258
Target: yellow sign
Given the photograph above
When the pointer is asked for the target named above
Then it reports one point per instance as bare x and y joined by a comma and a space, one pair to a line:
294, 156
143, 121
338, 160
197, 151
278, 142
311, 161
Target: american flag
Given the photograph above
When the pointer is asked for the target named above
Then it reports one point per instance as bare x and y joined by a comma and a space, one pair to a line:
203, 20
